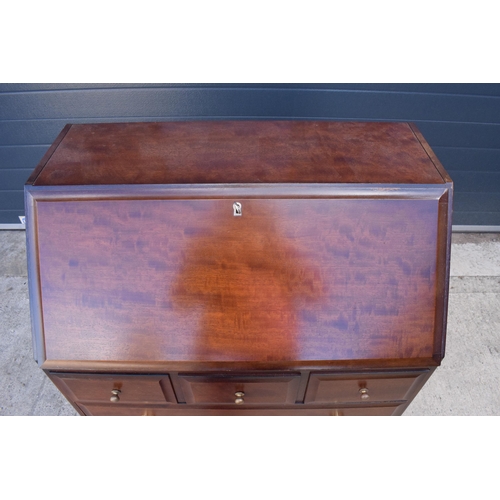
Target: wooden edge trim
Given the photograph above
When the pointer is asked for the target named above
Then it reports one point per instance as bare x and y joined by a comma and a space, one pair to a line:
448, 262
46, 157
81, 410
443, 272
430, 153
159, 367
34, 286
248, 191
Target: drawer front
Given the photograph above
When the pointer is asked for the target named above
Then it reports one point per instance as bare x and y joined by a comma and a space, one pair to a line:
134, 411
118, 389
359, 388
240, 390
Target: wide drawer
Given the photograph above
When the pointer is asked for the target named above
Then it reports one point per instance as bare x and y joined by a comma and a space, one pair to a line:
359, 388
240, 390
185, 410
116, 388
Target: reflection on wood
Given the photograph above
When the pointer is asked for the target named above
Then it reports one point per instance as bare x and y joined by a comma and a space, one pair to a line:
179, 280
246, 278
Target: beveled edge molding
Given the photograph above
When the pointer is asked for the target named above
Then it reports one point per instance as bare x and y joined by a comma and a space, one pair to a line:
152, 367
250, 191
34, 285
48, 154
445, 214
430, 153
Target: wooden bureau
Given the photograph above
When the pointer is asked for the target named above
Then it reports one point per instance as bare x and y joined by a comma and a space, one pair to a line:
239, 267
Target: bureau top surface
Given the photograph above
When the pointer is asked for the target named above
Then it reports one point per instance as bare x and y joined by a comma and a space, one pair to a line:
226, 152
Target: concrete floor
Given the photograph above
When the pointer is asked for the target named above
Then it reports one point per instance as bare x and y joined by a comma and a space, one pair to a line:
467, 382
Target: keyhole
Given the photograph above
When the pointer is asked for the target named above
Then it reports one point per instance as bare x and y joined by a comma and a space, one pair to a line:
236, 208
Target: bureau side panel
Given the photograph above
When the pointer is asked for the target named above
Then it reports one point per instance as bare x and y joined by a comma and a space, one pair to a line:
289, 279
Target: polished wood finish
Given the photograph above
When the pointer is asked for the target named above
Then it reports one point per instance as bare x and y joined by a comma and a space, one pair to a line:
218, 152
359, 388
132, 389
290, 280
335, 275
265, 392
251, 388
155, 411
432, 156
46, 157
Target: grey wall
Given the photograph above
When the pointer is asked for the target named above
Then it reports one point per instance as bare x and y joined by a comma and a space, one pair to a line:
461, 122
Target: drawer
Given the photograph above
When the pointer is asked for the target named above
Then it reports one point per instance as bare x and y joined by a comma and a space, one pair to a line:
113, 410
132, 388
240, 390
359, 388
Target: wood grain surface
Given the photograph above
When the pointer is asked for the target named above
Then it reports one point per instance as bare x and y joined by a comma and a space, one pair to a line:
290, 280
239, 152
252, 388
188, 410
327, 387
133, 389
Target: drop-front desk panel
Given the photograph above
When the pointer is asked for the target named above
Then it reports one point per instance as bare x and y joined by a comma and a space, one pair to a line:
239, 268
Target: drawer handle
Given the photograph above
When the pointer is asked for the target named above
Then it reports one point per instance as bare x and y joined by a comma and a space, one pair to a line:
364, 393
239, 398
115, 395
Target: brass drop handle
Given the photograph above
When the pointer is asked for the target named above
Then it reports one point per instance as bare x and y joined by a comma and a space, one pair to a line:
239, 398
115, 395
364, 393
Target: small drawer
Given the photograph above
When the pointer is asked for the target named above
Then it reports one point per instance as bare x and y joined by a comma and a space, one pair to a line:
359, 388
240, 390
116, 389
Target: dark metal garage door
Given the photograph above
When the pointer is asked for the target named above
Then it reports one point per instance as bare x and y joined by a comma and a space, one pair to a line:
460, 121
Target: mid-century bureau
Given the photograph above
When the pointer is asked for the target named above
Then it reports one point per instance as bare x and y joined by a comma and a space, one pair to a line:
239, 267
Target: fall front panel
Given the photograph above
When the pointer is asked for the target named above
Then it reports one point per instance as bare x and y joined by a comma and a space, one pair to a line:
187, 280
